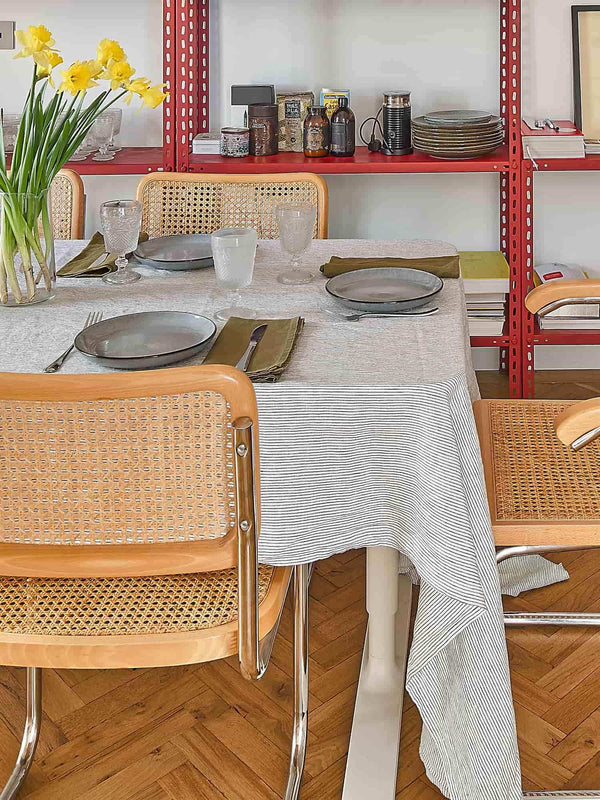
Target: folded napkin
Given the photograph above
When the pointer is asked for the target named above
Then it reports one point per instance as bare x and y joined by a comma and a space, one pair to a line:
84, 264
272, 354
442, 266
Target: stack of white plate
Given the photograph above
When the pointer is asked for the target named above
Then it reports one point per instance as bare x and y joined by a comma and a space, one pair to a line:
457, 134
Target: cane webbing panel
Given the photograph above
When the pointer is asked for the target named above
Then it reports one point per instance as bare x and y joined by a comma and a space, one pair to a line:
126, 471
172, 206
61, 207
122, 606
536, 477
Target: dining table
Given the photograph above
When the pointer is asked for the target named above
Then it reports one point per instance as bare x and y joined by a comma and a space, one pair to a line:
367, 441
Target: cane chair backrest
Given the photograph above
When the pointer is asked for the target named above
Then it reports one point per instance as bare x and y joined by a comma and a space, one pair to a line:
112, 467
186, 203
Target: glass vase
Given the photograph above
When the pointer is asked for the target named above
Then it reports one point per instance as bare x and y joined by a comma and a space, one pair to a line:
27, 264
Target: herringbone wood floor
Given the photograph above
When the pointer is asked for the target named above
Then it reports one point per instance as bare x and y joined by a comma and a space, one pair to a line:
203, 733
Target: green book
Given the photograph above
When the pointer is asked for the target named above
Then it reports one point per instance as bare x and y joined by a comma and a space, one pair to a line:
484, 271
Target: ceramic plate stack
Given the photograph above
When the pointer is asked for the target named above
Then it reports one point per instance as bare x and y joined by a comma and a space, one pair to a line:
457, 135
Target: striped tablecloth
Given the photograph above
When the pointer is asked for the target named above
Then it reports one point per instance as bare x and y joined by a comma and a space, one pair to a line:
369, 440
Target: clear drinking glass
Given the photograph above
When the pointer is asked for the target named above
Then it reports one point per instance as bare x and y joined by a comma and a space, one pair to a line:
103, 131
116, 114
233, 252
296, 223
121, 221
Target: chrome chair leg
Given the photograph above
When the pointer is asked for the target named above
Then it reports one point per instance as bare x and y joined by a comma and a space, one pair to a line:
298, 754
548, 618
30, 734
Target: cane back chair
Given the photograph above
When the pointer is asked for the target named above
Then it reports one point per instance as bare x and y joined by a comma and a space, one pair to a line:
129, 520
544, 496
187, 203
67, 205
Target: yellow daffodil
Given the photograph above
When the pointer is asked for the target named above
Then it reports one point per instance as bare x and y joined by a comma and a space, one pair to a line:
154, 96
34, 40
118, 73
138, 86
47, 64
95, 68
78, 78
109, 50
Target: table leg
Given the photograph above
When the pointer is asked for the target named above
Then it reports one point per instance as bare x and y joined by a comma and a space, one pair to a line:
372, 764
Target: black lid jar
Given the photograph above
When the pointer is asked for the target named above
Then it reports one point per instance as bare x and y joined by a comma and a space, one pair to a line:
264, 128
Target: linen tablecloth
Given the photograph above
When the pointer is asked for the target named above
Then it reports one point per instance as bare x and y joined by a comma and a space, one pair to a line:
369, 440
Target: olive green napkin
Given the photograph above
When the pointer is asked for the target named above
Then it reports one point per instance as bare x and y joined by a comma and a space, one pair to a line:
442, 266
272, 354
81, 265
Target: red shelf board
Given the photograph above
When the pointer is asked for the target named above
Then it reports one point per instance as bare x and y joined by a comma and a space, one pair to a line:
361, 162
591, 162
128, 161
490, 341
566, 336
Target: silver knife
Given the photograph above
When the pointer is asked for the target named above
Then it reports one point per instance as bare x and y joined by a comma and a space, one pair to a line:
255, 337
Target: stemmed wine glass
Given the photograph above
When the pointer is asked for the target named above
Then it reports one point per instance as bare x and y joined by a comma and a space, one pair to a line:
121, 221
103, 131
116, 114
233, 252
296, 223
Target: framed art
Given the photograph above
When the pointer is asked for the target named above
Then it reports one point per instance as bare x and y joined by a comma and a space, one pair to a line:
586, 69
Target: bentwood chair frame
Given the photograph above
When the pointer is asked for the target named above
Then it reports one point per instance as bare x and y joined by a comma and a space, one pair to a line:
67, 201
201, 203
30, 550
519, 531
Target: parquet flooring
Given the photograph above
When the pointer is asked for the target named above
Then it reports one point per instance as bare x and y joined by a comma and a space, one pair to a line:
203, 733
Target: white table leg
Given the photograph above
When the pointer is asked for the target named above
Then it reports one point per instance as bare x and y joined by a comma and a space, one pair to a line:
375, 739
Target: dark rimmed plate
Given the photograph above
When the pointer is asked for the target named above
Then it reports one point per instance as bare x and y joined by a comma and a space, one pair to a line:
178, 252
387, 289
145, 340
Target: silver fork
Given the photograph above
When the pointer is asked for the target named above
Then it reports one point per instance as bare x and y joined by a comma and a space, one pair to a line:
93, 318
358, 317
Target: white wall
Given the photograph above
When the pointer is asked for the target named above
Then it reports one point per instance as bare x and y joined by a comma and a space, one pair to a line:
444, 51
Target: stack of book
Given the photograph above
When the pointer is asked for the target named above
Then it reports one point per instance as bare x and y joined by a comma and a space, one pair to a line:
575, 317
204, 144
486, 282
546, 142
592, 147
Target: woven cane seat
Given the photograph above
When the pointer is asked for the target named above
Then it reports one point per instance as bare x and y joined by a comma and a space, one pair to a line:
122, 606
534, 482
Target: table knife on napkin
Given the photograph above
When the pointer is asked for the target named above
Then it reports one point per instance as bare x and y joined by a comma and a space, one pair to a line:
255, 337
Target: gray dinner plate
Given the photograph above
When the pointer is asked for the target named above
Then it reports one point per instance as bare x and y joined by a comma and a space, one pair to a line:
179, 252
458, 117
145, 340
386, 289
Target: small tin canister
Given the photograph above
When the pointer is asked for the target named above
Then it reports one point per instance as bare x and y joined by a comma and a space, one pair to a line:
264, 128
235, 142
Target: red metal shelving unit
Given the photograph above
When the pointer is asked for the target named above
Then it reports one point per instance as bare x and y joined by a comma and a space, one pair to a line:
532, 335
193, 97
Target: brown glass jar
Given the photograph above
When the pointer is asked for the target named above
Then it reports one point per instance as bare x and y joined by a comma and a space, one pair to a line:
264, 128
317, 132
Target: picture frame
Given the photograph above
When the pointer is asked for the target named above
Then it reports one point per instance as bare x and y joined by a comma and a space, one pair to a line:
586, 69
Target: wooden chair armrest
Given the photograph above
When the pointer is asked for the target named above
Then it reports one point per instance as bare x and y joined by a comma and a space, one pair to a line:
579, 424
555, 294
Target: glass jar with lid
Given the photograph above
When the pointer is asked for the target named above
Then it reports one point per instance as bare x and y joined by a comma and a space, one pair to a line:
317, 132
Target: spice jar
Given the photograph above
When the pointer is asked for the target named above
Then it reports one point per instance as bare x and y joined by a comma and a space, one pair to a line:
264, 128
317, 132
235, 142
